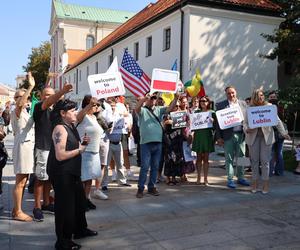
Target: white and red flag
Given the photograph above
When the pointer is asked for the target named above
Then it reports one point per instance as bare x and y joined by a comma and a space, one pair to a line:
164, 80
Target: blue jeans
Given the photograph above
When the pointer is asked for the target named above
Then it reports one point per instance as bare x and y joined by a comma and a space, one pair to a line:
276, 162
150, 157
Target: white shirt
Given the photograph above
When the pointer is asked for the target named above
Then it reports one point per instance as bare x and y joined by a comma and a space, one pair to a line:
91, 127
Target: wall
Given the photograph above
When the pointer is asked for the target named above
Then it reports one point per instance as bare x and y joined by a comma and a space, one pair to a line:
226, 47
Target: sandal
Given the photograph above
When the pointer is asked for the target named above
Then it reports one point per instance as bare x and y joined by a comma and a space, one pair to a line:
22, 217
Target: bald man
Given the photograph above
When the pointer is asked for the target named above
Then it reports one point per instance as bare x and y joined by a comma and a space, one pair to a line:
43, 131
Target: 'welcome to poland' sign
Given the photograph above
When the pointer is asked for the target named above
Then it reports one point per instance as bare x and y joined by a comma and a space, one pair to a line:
229, 117
106, 85
262, 116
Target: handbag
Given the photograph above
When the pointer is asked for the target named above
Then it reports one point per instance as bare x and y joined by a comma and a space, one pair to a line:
165, 138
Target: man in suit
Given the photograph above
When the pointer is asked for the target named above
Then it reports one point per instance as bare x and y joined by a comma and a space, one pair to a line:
233, 139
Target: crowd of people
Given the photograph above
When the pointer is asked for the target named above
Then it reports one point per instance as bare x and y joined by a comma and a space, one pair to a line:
72, 149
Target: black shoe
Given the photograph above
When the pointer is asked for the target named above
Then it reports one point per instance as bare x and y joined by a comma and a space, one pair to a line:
67, 246
48, 209
90, 205
153, 191
104, 188
125, 185
86, 233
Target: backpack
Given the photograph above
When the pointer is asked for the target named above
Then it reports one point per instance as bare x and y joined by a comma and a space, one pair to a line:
6, 117
3, 155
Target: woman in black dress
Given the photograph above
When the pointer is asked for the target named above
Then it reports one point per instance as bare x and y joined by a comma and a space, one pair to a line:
64, 169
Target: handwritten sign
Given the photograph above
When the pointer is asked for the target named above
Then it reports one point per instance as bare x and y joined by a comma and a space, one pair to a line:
201, 120
164, 80
106, 85
118, 125
229, 117
178, 119
262, 116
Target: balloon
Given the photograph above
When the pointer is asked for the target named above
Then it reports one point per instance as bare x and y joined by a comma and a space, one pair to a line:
167, 97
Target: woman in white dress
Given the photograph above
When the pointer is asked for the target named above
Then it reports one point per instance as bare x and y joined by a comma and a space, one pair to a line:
22, 125
89, 126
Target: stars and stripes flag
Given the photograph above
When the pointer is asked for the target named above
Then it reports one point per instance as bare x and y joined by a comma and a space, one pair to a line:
135, 80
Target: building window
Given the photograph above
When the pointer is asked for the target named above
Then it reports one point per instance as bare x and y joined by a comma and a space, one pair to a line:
96, 67
149, 46
167, 39
136, 51
87, 71
110, 59
90, 42
80, 75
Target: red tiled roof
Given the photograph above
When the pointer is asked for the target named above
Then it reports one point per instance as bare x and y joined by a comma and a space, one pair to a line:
74, 55
153, 10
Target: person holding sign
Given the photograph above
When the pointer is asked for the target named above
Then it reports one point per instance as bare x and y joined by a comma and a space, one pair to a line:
173, 153
232, 138
151, 133
203, 142
260, 141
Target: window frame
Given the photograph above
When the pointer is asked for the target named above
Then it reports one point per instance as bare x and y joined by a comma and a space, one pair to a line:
148, 48
167, 39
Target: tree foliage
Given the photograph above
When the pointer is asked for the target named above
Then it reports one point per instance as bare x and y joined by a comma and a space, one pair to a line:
38, 64
287, 36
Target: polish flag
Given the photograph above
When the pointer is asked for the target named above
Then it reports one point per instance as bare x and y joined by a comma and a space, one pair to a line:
164, 80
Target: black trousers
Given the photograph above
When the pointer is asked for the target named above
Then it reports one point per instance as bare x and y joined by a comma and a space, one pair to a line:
69, 207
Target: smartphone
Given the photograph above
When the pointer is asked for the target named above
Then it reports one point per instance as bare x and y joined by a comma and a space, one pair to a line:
84, 143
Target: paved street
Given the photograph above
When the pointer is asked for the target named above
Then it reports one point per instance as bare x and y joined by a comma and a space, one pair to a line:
182, 217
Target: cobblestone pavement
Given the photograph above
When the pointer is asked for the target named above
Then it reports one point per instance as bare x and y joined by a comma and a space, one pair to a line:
185, 216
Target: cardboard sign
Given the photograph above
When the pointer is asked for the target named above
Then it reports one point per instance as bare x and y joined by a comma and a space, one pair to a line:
262, 116
187, 152
178, 119
164, 80
229, 117
118, 125
106, 85
201, 120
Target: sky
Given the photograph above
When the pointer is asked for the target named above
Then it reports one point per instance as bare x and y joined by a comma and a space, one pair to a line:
24, 25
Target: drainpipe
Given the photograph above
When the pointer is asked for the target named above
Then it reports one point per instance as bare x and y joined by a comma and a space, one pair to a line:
181, 41
96, 33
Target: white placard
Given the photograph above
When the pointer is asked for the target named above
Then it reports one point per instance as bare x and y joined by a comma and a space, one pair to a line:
262, 116
164, 80
187, 152
106, 85
229, 117
201, 120
118, 125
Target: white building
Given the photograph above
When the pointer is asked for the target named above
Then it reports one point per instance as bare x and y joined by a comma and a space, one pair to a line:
74, 29
221, 38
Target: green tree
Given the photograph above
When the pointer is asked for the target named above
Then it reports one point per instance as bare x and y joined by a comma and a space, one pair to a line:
287, 36
287, 52
38, 64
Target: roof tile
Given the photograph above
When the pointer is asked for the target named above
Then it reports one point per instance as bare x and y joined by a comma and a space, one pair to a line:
153, 10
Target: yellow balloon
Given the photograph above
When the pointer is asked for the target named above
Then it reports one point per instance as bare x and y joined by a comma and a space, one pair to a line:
167, 97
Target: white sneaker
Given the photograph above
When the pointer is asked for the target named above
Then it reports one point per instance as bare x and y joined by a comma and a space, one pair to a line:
114, 175
130, 176
100, 195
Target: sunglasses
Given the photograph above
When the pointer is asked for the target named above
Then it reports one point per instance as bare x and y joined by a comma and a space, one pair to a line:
203, 101
97, 104
154, 97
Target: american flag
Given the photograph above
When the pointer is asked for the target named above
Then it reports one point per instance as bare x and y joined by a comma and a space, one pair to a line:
135, 80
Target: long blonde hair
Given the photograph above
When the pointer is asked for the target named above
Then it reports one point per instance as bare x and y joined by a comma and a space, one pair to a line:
255, 98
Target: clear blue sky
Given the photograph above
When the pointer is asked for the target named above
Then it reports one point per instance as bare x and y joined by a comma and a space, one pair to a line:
24, 24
